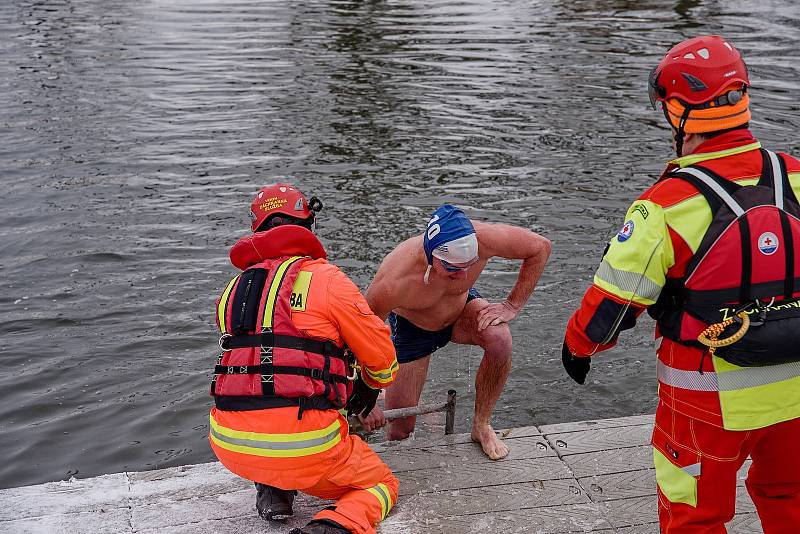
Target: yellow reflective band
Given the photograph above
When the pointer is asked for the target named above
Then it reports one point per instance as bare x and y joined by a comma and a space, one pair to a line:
756, 397
223, 304
691, 159
677, 484
381, 492
269, 306
276, 445
727, 376
384, 375
749, 397
635, 286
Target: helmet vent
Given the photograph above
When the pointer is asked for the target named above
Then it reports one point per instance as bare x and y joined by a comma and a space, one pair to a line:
695, 84
729, 47
689, 56
703, 53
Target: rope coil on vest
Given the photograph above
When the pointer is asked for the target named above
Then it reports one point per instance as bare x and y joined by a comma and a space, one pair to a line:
708, 337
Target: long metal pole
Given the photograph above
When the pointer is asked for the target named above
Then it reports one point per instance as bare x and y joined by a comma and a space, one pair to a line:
449, 408
420, 409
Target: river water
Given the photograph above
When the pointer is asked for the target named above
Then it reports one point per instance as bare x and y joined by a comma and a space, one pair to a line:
134, 134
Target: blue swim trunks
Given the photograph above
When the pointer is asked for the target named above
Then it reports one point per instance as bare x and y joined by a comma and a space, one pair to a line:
412, 342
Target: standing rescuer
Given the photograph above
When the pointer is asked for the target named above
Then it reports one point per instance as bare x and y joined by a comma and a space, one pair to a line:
284, 373
711, 251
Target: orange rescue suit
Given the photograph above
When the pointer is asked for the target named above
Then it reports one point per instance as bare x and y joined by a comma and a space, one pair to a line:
314, 454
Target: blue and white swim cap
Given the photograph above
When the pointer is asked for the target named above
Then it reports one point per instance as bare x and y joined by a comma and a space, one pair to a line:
450, 236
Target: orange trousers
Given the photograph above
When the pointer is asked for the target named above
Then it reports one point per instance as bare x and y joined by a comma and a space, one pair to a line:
362, 485
713, 456
344, 468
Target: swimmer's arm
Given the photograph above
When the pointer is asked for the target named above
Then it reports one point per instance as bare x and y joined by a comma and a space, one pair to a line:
380, 295
515, 243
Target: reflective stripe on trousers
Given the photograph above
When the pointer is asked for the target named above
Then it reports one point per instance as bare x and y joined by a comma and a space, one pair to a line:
745, 377
381, 492
276, 445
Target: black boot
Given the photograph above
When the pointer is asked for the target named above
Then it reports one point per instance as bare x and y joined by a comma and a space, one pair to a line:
273, 503
321, 526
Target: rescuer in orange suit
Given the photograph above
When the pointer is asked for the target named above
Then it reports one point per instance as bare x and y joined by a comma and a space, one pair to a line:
284, 373
710, 251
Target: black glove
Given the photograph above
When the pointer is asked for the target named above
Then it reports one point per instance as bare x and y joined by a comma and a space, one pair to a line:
362, 400
577, 368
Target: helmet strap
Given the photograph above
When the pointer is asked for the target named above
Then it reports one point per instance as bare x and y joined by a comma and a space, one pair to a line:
680, 130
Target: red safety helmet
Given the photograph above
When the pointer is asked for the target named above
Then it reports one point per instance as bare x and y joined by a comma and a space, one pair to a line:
702, 83
282, 199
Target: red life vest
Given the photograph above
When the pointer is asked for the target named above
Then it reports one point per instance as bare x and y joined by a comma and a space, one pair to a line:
745, 262
266, 362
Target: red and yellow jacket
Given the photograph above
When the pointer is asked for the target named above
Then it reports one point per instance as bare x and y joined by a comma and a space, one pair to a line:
663, 229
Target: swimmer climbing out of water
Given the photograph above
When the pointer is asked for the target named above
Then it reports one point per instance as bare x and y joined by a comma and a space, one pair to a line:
424, 287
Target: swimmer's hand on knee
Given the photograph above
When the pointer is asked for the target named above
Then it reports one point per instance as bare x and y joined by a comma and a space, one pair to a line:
495, 314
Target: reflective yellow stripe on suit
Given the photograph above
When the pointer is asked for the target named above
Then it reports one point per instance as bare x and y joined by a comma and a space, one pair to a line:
272, 294
276, 445
384, 376
750, 397
223, 305
381, 492
691, 159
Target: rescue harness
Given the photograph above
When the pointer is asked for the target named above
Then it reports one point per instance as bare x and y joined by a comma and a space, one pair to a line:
742, 283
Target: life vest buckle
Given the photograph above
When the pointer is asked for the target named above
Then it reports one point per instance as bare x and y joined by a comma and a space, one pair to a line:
762, 312
223, 342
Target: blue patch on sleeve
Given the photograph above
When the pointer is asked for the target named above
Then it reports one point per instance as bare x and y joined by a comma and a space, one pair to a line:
625, 232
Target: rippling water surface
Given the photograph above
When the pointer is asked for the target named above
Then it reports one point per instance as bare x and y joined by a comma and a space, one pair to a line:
134, 134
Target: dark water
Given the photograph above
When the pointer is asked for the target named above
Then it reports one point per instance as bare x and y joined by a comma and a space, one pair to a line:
133, 134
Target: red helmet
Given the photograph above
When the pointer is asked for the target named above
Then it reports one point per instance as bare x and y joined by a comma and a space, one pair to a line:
281, 199
703, 83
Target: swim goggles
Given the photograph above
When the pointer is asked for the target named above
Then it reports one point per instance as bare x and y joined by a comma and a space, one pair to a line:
453, 268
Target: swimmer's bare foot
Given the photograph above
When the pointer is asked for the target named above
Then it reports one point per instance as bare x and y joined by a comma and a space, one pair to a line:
494, 448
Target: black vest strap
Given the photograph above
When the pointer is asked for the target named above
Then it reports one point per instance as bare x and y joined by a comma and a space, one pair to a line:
244, 309
788, 247
268, 339
236, 403
767, 178
788, 192
318, 374
747, 261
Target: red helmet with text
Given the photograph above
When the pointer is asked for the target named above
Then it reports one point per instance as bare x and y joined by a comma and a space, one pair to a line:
702, 85
282, 199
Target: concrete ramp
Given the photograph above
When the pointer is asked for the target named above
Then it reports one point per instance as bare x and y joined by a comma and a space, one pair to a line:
591, 476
